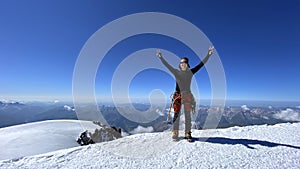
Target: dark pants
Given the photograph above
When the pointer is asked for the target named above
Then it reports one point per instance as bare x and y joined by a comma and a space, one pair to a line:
187, 100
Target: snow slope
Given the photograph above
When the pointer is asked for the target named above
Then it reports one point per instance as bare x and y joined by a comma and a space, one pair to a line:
263, 146
40, 137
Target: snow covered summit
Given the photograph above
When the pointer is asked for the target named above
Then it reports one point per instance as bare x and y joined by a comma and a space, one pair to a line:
264, 146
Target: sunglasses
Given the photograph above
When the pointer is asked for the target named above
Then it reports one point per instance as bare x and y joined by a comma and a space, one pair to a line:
183, 63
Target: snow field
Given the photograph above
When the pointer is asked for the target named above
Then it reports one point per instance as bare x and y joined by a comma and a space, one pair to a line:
276, 146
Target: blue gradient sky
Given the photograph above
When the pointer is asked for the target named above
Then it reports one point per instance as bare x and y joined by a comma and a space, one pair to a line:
258, 43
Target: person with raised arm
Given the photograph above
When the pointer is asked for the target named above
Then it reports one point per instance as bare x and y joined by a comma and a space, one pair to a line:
182, 94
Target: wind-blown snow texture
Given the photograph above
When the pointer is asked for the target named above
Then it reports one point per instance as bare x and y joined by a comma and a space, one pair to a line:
262, 146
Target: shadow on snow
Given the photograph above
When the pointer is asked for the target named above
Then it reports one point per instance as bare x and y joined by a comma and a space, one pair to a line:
245, 142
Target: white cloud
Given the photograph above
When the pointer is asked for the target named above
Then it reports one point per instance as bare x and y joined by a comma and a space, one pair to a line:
56, 101
244, 107
66, 107
288, 115
141, 129
298, 107
161, 113
11, 101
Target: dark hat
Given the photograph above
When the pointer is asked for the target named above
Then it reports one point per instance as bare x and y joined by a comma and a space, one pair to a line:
185, 58
186, 61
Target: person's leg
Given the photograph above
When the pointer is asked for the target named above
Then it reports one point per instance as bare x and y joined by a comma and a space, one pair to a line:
188, 99
176, 118
188, 121
175, 131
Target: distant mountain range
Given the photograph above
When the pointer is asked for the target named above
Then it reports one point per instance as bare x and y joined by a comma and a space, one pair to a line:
244, 116
19, 113
14, 113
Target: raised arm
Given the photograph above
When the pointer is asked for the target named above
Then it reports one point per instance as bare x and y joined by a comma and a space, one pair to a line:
210, 52
165, 62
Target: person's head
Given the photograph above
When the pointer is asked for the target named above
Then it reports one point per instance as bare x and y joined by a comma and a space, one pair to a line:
184, 64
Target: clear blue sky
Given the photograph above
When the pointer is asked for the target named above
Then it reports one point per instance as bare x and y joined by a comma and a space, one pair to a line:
258, 43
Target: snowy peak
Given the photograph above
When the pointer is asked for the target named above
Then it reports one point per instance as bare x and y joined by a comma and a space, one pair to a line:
12, 103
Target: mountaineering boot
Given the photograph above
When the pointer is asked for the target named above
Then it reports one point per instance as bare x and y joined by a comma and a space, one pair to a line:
175, 135
188, 135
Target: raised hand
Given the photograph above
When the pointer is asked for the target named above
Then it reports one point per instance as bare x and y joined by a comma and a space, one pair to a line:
159, 53
210, 50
